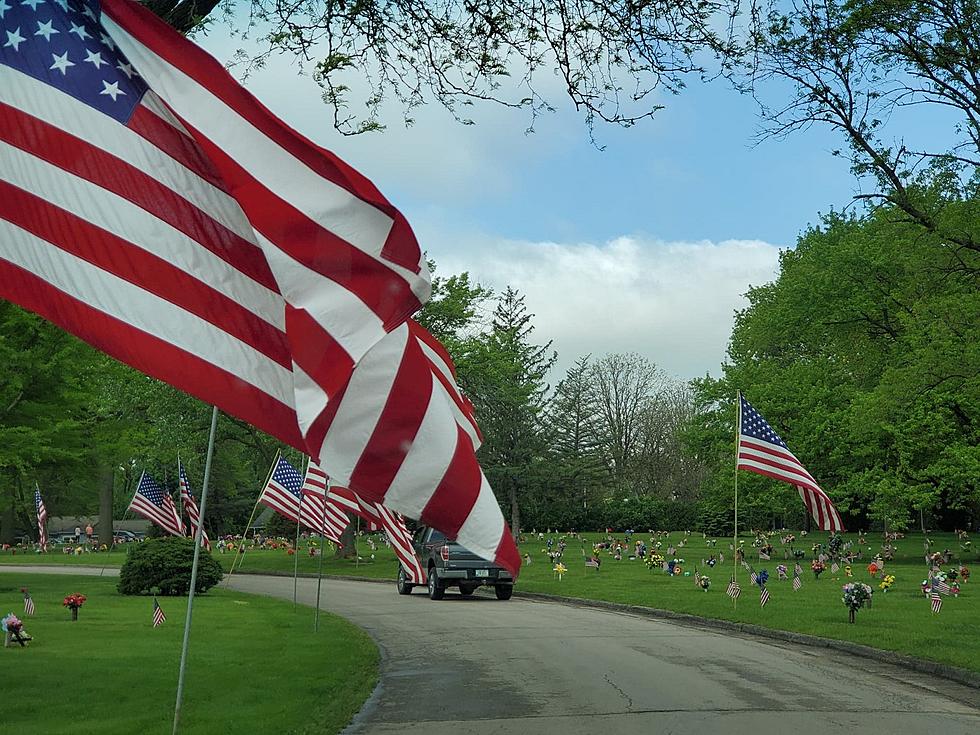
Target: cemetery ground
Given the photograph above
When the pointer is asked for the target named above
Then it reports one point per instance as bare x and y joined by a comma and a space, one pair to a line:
112, 672
899, 620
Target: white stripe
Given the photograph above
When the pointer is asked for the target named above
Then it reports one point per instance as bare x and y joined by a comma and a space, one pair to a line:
462, 419
762, 449
152, 102
483, 528
144, 311
328, 204
309, 396
338, 310
86, 123
362, 405
427, 459
124, 219
789, 473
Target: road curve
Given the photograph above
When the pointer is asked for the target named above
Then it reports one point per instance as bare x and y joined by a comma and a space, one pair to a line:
482, 666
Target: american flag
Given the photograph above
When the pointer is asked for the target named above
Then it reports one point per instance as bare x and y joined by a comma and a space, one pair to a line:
941, 586
283, 492
153, 503
733, 590
763, 556
332, 519
753, 577
158, 616
937, 602
761, 450
594, 562
151, 206
393, 524
797, 583
834, 568
42, 518
190, 506
797, 570
764, 597
28, 603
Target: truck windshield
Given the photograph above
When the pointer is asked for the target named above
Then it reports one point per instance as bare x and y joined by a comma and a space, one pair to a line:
436, 537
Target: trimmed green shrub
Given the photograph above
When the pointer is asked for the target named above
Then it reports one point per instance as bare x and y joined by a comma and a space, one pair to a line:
163, 566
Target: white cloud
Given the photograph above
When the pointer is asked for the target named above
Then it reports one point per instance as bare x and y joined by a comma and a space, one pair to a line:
673, 302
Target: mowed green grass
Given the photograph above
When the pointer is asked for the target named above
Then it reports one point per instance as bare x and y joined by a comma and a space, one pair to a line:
900, 620
255, 664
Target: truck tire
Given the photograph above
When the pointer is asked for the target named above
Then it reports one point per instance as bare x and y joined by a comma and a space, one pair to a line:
436, 590
402, 585
504, 591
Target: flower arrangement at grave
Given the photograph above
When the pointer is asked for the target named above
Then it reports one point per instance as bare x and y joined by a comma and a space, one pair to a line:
761, 578
954, 589
654, 561
559, 569
847, 571
781, 571
835, 545
704, 582
965, 574
856, 595
886, 582
817, 567
952, 574
73, 602
799, 554
12, 629
873, 569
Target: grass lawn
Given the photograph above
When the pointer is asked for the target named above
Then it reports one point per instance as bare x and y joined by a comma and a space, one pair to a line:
900, 620
255, 663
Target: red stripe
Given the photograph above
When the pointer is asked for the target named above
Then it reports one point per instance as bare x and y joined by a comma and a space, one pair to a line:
147, 271
151, 355
308, 242
791, 479
93, 164
174, 142
456, 494
774, 449
398, 424
401, 248
316, 352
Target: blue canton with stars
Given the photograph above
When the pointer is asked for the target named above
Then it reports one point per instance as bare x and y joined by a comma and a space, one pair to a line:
755, 426
286, 476
61, 43
151, 490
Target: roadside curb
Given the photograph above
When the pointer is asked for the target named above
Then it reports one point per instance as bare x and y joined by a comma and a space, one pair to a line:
945, 671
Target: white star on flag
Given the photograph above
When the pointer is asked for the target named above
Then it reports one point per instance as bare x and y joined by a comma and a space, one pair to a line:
61, 63
94, 58
32, 4
112, 90
14, 39
79, 31
46, 29
3, 8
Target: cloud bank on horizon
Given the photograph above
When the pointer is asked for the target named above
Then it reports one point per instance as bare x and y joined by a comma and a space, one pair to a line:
673, 302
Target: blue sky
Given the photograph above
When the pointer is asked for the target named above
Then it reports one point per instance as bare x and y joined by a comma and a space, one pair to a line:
646, 245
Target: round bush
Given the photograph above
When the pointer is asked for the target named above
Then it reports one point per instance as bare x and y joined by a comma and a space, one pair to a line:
162, 566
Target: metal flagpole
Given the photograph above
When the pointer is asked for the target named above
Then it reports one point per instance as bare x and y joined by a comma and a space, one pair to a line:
357, 532
738, 431
299, 513
197, 554
323, 549
275, 461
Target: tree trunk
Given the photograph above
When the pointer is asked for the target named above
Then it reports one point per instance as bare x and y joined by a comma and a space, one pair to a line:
7, 520
347, 548
515, 512
106, 478
922, 521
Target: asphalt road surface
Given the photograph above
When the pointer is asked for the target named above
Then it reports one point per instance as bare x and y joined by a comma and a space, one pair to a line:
484, 666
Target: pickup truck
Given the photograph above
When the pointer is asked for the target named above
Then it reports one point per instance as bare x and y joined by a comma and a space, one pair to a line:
447, 564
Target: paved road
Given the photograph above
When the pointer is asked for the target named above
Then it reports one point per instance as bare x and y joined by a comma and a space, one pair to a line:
482, 666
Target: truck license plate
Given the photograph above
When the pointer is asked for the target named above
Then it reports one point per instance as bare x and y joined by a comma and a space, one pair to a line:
482, 572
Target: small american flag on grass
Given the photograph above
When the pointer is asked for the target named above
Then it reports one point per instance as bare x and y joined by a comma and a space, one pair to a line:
940, 586
733, 590
797, 570
28, 603
937, 602
797, 583
158, 616
764, 597
592, 562
764, 556
834, 568
753, 578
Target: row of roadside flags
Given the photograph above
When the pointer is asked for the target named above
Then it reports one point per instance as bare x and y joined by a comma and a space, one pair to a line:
310, 500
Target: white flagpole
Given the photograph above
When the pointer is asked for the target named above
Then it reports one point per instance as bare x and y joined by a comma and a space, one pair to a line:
738, 431
299, 513
197, 554
323, 549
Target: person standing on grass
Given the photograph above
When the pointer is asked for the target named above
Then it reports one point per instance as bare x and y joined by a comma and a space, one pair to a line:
78, 534
89, 532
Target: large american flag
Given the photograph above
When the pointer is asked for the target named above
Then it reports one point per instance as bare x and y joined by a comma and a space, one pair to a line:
761, 450
151, 206
342, 500
190, 506
155, 504
42, 514
333, 519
